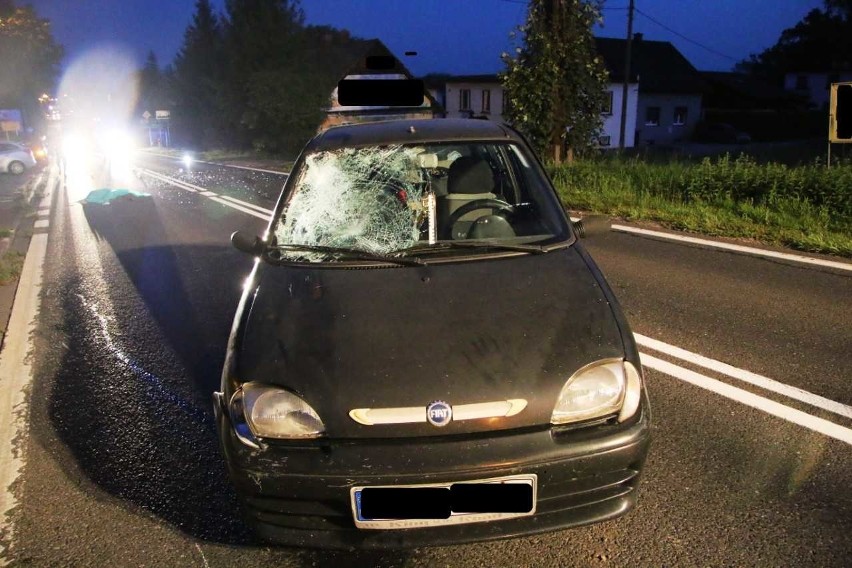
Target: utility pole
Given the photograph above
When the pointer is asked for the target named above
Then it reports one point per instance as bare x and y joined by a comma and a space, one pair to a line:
625, 89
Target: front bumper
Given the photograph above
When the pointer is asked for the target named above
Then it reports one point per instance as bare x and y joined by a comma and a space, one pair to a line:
300, 495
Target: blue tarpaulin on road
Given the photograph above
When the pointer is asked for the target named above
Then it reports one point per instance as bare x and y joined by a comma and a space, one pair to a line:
104, 196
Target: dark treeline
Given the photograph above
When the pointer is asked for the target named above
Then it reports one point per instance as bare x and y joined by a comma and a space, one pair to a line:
254, 76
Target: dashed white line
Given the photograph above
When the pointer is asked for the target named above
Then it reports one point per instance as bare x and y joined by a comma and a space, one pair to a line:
736, 248
41, 224
750, 399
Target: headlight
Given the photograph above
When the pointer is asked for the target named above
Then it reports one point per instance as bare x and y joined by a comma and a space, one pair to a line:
271, 412
601, 389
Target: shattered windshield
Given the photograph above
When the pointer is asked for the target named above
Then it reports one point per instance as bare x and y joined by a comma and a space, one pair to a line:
388, 199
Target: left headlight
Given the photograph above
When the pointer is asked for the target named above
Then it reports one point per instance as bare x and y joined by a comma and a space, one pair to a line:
272, 412
604, 388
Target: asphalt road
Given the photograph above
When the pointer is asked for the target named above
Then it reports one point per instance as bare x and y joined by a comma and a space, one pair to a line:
122, 466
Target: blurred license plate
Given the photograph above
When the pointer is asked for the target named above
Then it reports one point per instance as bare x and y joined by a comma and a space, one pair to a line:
415, 506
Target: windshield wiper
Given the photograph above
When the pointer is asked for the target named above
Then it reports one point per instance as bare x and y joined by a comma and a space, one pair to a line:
444, 245
348, 253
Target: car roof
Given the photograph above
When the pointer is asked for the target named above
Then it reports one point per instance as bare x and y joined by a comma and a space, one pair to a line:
412, 132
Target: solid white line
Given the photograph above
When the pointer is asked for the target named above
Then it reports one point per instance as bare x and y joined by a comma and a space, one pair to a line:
180, 159
16, 375
736, 248
746, 376
248, 208
247, 204
251, 212
749, 399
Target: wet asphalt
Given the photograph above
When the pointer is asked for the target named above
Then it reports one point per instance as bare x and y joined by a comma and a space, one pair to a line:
122, 464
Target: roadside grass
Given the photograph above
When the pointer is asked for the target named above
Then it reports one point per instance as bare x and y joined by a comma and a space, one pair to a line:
806, 207
11, 265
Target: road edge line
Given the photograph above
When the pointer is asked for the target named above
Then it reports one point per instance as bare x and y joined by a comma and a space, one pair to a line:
16, 374
735, 248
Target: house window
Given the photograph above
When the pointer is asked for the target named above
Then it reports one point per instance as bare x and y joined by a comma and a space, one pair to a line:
506, 102
486, 100
652, 116
604, 140
679, 116
607, 105
464, 99
802, 83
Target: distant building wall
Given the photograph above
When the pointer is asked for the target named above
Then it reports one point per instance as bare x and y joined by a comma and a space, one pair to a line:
612, 119
474, 100
816, 86
666, 118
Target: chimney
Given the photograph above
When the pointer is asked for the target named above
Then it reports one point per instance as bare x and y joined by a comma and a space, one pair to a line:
637, 36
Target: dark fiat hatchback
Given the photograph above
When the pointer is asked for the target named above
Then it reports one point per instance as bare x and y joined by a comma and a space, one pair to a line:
424, 353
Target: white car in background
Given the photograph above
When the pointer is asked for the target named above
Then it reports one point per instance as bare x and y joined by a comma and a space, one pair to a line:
15, 158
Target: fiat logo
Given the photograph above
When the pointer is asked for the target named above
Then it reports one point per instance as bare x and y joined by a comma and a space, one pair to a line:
439, 413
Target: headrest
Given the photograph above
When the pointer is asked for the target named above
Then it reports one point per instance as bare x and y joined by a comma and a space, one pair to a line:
428, 160
470, 175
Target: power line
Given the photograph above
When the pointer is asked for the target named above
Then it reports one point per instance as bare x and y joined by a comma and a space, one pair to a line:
683, 37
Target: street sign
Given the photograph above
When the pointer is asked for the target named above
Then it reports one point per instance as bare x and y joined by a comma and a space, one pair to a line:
840, 113
163, 115
146, 115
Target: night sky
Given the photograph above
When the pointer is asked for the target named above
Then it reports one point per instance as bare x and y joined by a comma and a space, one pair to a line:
453, 36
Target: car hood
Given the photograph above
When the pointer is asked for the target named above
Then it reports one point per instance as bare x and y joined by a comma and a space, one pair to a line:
464, 333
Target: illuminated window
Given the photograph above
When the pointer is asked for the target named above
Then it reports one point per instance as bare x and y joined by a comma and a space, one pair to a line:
464, 99
652, 116
607, 105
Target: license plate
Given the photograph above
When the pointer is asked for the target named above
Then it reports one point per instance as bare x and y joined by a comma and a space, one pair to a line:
439, 504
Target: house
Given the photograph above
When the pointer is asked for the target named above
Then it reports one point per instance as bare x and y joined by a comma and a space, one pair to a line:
469, 96
390, 68
483, 96
815, 86
670, 88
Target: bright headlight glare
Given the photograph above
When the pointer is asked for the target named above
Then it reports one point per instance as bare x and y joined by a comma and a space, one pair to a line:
595, 391
276, 413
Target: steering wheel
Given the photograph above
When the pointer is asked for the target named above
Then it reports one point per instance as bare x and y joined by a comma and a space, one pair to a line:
498, 204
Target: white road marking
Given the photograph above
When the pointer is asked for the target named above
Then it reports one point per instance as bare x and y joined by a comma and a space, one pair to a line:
239, 205
180, 159
736, 248
746, 376
16, 373
750, 399
41, 224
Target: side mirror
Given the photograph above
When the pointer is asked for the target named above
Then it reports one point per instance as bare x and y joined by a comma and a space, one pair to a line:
245, 243
593, 225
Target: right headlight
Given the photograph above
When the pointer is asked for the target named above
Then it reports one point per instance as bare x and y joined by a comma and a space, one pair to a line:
272, 412
604, 388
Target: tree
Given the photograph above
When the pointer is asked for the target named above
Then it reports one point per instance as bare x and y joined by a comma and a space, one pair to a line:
556, 81
822, 41
198, 79
29, 57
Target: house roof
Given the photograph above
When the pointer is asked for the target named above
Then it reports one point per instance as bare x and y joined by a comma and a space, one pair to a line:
659, 66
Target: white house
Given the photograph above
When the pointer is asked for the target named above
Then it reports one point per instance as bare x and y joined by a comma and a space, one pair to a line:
482, 96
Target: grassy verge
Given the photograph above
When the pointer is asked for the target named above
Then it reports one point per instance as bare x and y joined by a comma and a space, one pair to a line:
11, 264
807, 208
